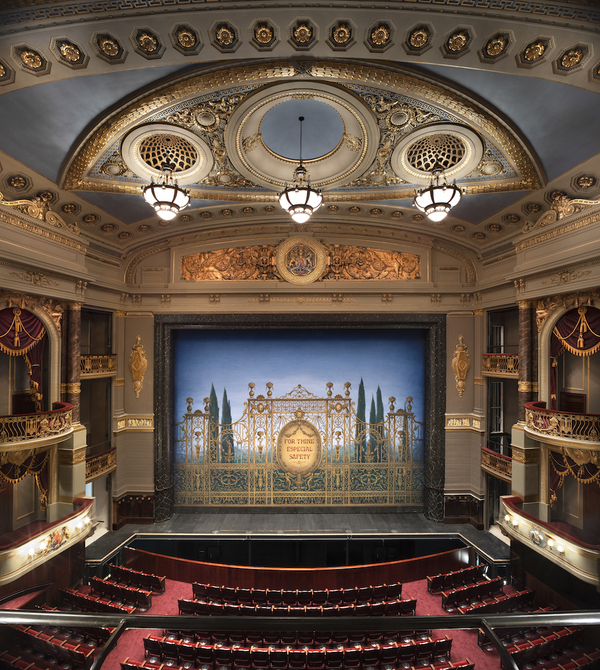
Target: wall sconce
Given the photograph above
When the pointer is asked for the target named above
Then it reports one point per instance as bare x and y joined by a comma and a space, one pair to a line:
507, 518
550, 543
515, 522
560, 549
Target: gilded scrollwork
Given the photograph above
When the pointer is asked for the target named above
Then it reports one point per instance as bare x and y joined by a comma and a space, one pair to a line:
138, 364
53, 308
344, 262
38, 208
461, 364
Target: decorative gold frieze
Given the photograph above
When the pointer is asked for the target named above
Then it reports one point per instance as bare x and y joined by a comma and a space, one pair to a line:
525, 456
551, 423
98, 366
566, 276
478, 381
54, 309
100, 465
69, 457
143, 424
524, 387
137, 365
500, 365
461, 364
34, 278
496, 464
464, 422
120, 381
547, 306
259, 263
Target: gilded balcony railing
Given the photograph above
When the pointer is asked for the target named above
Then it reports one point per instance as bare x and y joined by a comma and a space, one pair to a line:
501, 365
104, 365
101, 464
496, 464
23, 427
567, 425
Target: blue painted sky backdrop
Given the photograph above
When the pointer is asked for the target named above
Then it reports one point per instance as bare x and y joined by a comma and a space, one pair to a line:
391, 359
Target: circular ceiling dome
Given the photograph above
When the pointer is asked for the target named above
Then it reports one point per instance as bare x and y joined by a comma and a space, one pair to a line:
147, 148
340, 135
457, 149
322, 129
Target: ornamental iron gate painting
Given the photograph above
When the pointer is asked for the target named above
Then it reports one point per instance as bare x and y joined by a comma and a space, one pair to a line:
313, 445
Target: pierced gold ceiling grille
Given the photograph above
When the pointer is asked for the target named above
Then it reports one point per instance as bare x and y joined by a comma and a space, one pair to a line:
155, 150
442, 148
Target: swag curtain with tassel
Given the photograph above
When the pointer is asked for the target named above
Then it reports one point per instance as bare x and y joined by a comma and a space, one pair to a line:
22, 464
563, 465
578, 332
22, 334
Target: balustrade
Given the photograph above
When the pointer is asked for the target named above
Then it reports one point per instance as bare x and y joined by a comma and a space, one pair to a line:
567, 425
101, 464
500, 365
104, 365
18, 428
496, 464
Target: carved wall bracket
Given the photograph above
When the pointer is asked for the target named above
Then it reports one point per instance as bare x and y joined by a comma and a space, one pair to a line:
38, 208
461, 364
138, 365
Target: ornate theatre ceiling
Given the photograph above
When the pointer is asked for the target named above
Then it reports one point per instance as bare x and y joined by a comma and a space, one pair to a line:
93, 102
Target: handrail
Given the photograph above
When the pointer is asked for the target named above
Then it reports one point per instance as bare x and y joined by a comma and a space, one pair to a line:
555, 423
23, 427
495, 453
349, 624
100, 464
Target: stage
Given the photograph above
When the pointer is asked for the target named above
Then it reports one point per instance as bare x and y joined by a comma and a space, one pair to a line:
273, 525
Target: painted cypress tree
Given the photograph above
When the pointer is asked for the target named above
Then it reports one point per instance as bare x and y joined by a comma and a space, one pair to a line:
214, 415
380, 420
226, 436
373, 437
361, 412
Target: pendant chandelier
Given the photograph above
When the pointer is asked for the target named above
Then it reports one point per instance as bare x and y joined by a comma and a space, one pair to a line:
300, 200
167, 198
438, 198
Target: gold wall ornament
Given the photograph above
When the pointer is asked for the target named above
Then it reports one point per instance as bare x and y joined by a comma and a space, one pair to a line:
186, 38
571, 58
147, 42
461, 364
380, 35
225, 36
264, 34
70, 52
301, 260
496, 46
586, 181
17, 182
419, 38
137, 365
31, 59
303, 33
251, 142
458, 41
341, 34
534, 51
2, 70
109, 46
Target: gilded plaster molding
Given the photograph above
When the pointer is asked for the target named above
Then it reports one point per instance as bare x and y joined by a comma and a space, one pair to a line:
581, 222
461, 256
546, 306
137, 365
30, 226
461, 364
53, 308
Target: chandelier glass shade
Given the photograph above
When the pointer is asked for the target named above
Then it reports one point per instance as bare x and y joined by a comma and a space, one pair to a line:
167, 198
300, 200
438, 198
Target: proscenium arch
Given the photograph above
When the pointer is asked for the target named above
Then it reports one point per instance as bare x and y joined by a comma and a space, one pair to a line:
435, 388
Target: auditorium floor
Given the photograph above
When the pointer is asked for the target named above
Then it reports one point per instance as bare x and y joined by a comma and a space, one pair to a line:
259, 524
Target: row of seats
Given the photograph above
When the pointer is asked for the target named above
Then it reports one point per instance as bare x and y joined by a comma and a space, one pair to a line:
503, 603
90, 603
292, 638
448, 580
530, 651
519, 634
239, 657
386, 608
138, 579
54, 646
480, 590
91, 634
121, 592
289, 597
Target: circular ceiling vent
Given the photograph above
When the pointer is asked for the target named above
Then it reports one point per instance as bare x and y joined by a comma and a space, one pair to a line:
456, 149
146, 149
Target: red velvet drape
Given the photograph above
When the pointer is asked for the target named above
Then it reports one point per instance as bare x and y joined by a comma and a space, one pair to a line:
36, 466
22, 334
577, 331
562, 465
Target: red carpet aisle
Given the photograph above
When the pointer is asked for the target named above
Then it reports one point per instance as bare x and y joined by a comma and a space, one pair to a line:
464, 643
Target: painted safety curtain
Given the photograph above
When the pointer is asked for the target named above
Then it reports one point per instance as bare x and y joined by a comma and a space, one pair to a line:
22, 334
35, 465
577, 331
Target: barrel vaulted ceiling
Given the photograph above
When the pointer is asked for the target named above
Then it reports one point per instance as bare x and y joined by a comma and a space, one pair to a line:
94, 95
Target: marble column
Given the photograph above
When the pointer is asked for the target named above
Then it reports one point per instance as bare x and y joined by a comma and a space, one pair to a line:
525, 356
74, 360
